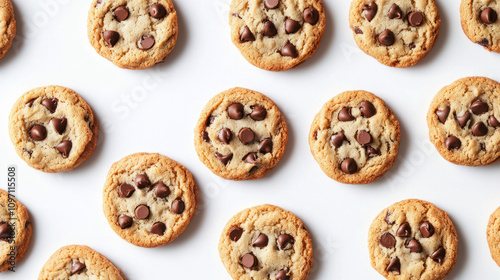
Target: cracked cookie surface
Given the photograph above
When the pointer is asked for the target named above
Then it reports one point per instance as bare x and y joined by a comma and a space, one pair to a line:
464, 121
149, 199
133, 34
355, 138
266, 242
480, 22
241, 134
413, 240
7, 26
493, 235
398, 33
276, 35
53, 129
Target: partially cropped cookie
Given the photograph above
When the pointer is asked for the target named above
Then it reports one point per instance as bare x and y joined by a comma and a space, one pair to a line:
266, 242
79, 262
413, 239
149, 199
493, 235
276, 35
241, 134
53, 129
398, 33
15, 232
355, 138
133, 34
464, 121
480, 22
7, 26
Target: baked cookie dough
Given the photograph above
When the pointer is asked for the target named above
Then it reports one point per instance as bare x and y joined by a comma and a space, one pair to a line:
480, 24
7, 26
493, 235
266, 242
355, 138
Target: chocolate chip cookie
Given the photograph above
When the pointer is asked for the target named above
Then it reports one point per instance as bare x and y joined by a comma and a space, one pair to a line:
133, 34
480, 24
464, 121
79, 262
15, 231
53, 129
413, 239
266, 242
149, 199
398, 33
7, 26
241, 134
276, 35
493, 235
355, 137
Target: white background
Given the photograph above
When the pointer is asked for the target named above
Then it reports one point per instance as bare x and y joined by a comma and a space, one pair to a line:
156, 110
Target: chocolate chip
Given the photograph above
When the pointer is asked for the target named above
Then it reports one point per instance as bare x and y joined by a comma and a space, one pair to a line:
349, 166
142, 181
443, 114
483, 147
414, 246
59, 124
235, 111
371, 10
265, 146
205, 137
283, 274
271, 4
111, 37
438, 255
124, 221
38, 132
311, 15
364, 137
251, 158
488, 16
76, 267
261, 241
484, 42
453, 143
178, 206
30, 102
235, 233
142, 212
246, 35
5, 231
387, 218
210, 120
411, 46
386, 38
479, 129
224, 158
146, 42
258, 113
161, 190
415, 19
269, 29
371, 152
157, 11
158, 228
463, 119
64, 148
394, 265
387, 240
125, 190
338, 139
50, 103
249, 260
367, 109
345, 115
246, 135
479, 107
284, 240
121, 13
289, 50
426, 229
404, 230
225, 135
358, 30
291, 26
492, 121
395, 12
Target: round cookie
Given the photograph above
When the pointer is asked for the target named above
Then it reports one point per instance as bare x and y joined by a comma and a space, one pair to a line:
464, 121
241, 134
133, 34
413, 239
15, 231
266, 242
355, 138
149, 199
493, 235
53, 129
398, 33
480, 24
7, 26
79, 262
276, 35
